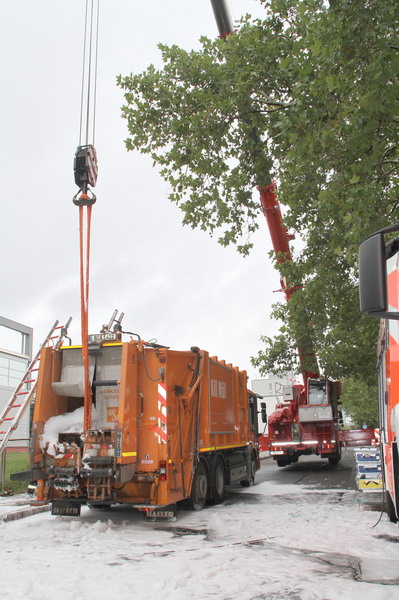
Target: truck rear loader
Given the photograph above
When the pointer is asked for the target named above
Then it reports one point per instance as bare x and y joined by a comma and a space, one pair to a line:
167, 426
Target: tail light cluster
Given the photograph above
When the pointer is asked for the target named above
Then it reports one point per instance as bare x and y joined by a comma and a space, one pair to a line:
162, 470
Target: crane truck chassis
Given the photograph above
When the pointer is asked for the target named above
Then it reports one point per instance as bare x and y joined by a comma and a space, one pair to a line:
167, 426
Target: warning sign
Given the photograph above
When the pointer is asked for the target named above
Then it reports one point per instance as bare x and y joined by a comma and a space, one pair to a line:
107, 404
370, 484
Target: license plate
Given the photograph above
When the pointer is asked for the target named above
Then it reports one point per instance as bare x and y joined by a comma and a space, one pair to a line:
160, 514
103, 337
65, 509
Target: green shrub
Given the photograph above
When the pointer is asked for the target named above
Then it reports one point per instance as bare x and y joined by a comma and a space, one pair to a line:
15, 462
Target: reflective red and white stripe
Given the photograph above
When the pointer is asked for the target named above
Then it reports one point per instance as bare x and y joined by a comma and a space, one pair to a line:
376, 439
162, 413
92, 166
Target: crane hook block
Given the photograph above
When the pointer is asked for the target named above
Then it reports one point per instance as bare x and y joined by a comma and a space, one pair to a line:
84, 199
85, 167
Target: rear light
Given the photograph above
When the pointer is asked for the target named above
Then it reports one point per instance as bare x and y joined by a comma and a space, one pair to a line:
162, 470
39, 489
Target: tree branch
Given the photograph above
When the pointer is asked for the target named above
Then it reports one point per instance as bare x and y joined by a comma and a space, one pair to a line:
271, 102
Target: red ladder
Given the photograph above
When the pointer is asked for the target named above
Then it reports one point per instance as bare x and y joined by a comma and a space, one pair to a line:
15, 408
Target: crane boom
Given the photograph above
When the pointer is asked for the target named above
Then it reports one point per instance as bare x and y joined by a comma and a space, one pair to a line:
278, 232
222, 17
268, 197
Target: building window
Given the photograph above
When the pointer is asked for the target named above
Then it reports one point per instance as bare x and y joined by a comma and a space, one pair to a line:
12, 369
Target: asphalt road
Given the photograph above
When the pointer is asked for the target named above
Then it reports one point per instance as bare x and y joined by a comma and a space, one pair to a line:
312, 471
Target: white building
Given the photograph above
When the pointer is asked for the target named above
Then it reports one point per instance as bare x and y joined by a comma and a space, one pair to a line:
15, 356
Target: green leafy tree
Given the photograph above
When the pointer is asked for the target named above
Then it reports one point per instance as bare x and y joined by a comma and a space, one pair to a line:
360, 402
308, 96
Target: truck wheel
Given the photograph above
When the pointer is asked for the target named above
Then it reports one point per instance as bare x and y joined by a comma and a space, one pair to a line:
283, 462
247, 482
391, 512
199, 489
335, 458
218, 481
390, 508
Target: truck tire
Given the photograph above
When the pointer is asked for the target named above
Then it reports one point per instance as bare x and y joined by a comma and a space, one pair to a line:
199, 490
218, 481
335, 458
251, 480
390, 508
391, 512
283, 462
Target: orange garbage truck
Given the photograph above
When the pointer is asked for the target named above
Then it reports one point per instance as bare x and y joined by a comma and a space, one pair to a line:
166, 426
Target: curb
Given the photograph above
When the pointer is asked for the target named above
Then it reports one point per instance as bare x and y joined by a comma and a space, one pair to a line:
25, 512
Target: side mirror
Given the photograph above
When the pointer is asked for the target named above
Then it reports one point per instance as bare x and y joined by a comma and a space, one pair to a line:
263, 412
373, 276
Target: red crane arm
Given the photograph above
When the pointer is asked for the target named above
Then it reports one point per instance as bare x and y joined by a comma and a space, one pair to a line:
277, 230
268, 194
280, 240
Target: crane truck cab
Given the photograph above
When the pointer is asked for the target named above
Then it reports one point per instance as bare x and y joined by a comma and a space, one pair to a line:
307, 422
379, 297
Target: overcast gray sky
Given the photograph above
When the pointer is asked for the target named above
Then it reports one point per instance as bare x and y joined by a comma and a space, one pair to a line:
172, 283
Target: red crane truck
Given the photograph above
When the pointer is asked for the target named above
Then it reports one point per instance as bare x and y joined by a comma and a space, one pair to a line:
308, 420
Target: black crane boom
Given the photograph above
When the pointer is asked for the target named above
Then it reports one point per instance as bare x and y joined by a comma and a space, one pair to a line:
223, 17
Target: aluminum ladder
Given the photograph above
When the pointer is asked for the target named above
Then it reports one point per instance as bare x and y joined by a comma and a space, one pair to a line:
15, 408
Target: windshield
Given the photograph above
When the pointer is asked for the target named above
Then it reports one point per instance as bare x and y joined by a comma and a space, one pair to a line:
317, 392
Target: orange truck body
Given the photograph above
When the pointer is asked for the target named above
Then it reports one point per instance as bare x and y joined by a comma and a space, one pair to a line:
388, 373
379, 298
167, 426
